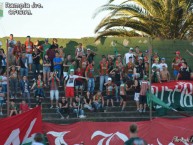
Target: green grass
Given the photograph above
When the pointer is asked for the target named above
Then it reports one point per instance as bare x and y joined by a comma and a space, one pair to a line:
165, 48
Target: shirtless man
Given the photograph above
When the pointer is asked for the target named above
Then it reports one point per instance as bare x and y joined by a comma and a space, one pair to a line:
164, 74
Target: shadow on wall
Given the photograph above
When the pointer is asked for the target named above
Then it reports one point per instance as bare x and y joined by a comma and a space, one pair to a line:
70, 47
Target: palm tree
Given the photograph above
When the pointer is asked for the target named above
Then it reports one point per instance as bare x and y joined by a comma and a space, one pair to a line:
166, 19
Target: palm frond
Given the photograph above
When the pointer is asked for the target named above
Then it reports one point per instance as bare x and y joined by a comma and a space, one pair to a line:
159, 18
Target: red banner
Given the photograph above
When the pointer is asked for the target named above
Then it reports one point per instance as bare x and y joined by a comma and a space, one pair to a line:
20, 129
155, 132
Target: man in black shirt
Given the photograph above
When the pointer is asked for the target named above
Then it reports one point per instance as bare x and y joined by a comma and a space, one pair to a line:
90, 55
23, 62
36, 63
139, 68
64, 108
185, 72
54, 44
134, 139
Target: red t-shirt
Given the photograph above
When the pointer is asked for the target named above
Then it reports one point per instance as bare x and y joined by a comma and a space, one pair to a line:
146, 59
51, 54
110, 88
90, 71
17, 50
79, 73
24, 108
104, 68
29, 47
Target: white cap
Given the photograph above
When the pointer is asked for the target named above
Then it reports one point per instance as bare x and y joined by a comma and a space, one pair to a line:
109, 79
0, 43
131, 48
88, 48
141, 58
71, 70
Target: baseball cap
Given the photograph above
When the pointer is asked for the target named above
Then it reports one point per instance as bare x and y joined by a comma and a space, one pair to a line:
140, 58
145, 77
71, 70
131, 48
109, 79
88, 48
177, 52
154, 67
163, 58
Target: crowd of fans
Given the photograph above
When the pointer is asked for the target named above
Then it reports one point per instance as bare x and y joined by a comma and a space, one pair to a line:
118, 74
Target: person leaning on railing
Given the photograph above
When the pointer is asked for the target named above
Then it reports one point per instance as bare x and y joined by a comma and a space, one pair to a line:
184, 72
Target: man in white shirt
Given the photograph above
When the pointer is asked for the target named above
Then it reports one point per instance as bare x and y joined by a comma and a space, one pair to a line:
69, 85
156, 63
79, 51
163, 64
129, 54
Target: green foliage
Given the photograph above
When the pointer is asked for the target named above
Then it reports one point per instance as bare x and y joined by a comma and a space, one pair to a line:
166, 19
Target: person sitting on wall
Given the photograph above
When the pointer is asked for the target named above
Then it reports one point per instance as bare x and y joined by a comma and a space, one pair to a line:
13, 108
23, 107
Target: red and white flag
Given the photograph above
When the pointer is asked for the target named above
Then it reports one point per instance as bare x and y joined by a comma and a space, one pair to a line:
20, 129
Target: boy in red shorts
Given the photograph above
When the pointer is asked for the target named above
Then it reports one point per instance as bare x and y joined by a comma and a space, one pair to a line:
69, 85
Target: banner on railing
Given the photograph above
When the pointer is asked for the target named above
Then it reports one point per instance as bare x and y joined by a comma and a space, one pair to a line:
176, 94
155, 132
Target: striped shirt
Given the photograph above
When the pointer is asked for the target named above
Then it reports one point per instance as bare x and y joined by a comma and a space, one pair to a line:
103, 68
144, 87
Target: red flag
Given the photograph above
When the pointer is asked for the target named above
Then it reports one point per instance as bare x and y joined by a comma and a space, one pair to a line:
20, 129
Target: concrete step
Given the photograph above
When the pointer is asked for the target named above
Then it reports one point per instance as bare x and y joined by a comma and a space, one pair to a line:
102, 114
46, 105
47, 109
118, 114
101, 119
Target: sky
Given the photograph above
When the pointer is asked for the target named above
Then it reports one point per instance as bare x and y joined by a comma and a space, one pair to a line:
57, 18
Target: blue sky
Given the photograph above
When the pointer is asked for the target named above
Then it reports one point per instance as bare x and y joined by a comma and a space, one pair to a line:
57, 18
